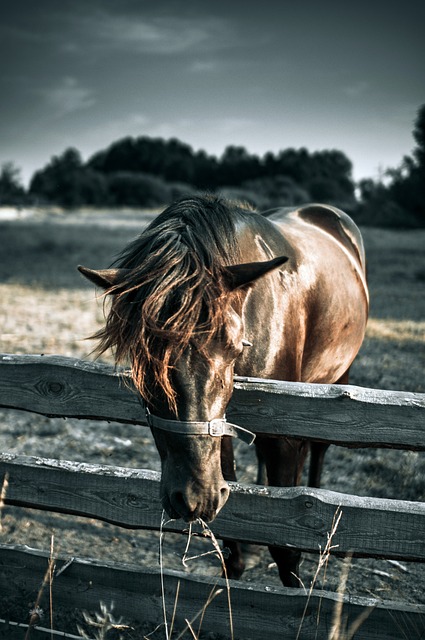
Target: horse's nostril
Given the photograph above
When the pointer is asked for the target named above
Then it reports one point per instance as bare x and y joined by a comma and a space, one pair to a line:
224, 494
184, 504
178, 499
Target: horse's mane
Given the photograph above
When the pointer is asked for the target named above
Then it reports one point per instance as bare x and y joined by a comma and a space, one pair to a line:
174, 291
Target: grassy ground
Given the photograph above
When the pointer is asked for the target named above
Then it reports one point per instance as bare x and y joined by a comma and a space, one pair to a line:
46, 307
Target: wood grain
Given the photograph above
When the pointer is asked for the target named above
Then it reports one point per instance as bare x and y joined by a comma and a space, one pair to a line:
258, 612
342, 414
297, 516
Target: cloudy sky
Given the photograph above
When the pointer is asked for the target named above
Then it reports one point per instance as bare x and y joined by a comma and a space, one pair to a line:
265, 74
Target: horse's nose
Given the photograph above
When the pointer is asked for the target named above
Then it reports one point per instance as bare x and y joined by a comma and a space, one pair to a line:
205, 504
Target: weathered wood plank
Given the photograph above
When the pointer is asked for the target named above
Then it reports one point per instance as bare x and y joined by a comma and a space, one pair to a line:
59, 386
297, 516
340, 414
257, 612
345, 415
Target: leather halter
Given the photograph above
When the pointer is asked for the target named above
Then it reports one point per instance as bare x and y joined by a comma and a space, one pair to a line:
216, 427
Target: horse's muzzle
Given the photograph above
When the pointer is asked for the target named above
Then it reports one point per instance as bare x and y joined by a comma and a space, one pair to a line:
188, 504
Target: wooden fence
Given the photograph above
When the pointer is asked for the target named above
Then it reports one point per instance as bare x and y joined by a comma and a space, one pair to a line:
300, 516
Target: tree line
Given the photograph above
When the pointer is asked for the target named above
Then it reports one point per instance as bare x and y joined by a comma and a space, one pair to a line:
149, 172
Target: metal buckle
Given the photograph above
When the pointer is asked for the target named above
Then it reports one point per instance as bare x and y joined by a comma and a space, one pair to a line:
216, 427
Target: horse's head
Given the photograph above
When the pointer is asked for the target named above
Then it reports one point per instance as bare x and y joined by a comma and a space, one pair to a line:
177, 317
186, 410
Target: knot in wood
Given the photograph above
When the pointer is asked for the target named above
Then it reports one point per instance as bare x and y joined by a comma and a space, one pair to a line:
133, 500
55, 388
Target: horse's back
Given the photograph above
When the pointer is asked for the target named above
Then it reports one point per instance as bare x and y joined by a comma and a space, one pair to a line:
322, 218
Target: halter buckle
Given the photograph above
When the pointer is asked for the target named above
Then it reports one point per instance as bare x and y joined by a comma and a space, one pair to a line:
216, 427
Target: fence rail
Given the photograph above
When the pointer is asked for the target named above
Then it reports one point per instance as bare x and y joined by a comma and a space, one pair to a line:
257, 611
299, 516
340, 414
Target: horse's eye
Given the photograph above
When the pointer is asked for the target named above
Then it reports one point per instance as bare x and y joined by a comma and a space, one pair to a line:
246, 343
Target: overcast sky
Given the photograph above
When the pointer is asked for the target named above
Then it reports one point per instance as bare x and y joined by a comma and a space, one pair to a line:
265, 74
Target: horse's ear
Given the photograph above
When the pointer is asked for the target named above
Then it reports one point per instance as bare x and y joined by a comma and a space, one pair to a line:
104, 278
240, 275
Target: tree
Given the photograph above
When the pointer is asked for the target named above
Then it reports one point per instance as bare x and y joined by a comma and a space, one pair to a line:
137, 189
68, 182
172, 160
377, 207
11, 190
206, 171
408, 182
238, 166
277, 191
419, 136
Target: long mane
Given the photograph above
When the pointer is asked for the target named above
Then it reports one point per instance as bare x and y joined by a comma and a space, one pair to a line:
174, 291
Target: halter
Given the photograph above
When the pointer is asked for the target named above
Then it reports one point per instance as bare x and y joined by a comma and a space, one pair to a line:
216, 427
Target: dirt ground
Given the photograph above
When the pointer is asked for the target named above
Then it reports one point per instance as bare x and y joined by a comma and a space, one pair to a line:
46, 307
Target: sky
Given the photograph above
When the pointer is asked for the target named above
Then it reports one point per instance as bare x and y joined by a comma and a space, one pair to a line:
263, 74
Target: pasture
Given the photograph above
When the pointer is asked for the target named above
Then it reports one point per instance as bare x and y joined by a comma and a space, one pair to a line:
47, 308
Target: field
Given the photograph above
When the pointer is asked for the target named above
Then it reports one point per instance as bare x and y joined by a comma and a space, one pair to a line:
46, 307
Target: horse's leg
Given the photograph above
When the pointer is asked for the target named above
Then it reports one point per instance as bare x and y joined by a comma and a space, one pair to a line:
317, 456
261, 469
284, 459
235, 563
318, 449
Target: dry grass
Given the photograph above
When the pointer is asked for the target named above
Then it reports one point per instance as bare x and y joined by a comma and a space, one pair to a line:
36, 320
101, 623
217, 552
47, 308
396, 330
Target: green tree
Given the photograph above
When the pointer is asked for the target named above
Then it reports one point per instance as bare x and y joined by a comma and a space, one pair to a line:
408, 181
11, 190
68, 182
137, 189
238, 166
377, 207
419, 136
277, 191
172, 160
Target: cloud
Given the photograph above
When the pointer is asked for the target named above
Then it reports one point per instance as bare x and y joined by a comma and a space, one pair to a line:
356, 89
164, 34
205, 66
68, 96
19, 34
229, 125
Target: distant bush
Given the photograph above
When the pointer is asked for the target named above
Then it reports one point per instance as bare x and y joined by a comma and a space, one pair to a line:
277, 191
181, 189
137, 190
244, 196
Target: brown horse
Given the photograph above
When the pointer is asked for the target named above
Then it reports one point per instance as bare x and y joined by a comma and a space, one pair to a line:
211, 289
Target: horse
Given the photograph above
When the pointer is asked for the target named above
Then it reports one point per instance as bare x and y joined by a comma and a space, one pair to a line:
212, 289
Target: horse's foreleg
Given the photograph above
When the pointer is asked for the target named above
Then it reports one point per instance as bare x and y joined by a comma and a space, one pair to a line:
235, 564
317, 457
261, 469
284, 459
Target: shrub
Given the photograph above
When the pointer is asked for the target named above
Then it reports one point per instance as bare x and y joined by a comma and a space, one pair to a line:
137, 190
